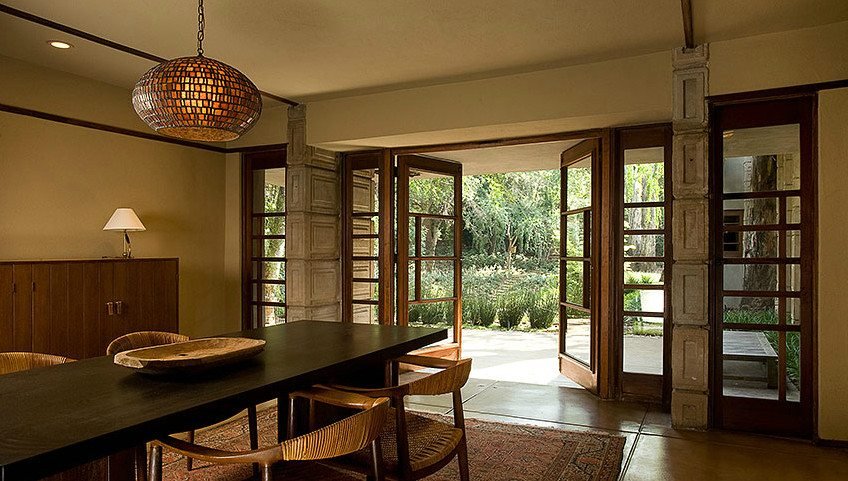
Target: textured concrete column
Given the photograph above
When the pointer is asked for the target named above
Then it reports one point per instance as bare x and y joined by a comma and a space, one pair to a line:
690, 233
313, 279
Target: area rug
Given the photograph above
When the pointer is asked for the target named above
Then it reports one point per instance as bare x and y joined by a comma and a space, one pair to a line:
496, 451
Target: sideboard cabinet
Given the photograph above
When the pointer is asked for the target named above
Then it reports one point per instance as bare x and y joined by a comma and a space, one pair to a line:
74, 308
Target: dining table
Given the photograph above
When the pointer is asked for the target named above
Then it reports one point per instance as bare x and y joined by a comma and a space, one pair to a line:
58, 417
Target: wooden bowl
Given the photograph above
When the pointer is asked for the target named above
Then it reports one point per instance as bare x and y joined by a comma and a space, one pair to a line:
190, 356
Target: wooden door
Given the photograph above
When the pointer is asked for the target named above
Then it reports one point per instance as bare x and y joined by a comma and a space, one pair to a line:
643, 175
429, 259
764, 191
368, 238
579, 327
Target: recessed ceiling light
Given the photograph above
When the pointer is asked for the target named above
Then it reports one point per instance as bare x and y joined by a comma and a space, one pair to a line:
60, 44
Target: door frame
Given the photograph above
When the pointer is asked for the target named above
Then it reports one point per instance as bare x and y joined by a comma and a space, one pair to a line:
760, 111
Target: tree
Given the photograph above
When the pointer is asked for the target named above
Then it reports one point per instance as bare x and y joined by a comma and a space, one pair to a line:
760, 277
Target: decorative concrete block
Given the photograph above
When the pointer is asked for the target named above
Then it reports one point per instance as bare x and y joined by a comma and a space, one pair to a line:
689, 410
690, 294
312, 236
690, 229
689, 103
690, 165
689, 360
684, 58
312, 189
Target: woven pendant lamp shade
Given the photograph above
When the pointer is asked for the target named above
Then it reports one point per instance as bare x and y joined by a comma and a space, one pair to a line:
197, 98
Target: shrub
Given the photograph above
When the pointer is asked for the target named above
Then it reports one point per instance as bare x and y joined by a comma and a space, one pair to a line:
433, 313
470, 311
486, 312
543, 313
511, 311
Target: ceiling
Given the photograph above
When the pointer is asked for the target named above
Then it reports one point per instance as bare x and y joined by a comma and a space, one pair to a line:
315, 49
512, 158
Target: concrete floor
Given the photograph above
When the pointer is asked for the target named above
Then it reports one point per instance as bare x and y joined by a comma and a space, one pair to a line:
653, 451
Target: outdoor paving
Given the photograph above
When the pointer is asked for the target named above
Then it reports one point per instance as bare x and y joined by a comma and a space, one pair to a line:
532, 357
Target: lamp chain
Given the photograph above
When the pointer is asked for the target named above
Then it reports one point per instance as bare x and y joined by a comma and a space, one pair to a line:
201, 24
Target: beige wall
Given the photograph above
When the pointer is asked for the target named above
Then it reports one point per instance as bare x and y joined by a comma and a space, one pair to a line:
833, 265
60, 183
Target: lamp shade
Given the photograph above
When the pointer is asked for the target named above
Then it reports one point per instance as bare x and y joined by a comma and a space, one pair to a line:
197, 98
124, 219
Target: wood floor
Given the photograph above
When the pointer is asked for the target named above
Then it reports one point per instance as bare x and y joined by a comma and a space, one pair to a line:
653, 451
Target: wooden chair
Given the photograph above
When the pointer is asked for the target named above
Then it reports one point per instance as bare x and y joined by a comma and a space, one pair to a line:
349, 435
418, 446
21, 361
138, 340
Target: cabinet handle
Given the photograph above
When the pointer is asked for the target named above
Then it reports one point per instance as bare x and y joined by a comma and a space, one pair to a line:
110, 308
118, 306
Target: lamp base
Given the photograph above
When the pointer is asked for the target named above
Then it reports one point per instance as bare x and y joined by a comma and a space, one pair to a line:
127, 247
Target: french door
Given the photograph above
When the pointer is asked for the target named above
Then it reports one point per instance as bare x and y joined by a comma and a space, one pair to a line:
264, 238
414, 249
368, 241
579, 326
429, 247
764, 184
644, 263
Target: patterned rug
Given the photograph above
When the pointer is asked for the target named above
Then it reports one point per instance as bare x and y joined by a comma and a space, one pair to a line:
496, 451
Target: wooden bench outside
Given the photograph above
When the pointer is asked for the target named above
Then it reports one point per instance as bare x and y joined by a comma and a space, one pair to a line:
751, 346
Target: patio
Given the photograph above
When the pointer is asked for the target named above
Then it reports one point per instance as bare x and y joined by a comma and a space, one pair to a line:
531, 357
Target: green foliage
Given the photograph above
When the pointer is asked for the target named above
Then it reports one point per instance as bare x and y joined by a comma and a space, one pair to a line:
544, 312
512, 308
793, 341
432, 313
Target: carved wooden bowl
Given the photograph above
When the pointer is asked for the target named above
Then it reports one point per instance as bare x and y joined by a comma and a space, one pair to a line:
191, 356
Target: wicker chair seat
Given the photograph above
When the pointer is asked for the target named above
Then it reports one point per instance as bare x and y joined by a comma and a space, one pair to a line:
430, 441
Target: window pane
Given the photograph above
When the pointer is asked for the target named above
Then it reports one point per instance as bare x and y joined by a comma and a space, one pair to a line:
269, 270
365, 190
273, 292
644, 273
750, 277
269, 190
750, 367
793, 277
793, 210
644, 300
793, 243
644, 175
272, 315
758, 244
431, 193
270, 247
365, 269
762, 159
793, 366
793, 310
274, 225
578, 335
578, 193
365, 291
638, 218
436, 237
574, 283
575, 235
365, 247
751, 211
751, 310
436, 279
643, 344
644, 245
438, 314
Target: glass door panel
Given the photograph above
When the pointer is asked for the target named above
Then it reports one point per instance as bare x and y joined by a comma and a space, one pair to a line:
763, 277
429, 244
264, 276
644, 262
578, 258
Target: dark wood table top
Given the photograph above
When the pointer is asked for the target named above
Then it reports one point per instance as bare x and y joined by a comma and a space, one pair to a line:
57, 417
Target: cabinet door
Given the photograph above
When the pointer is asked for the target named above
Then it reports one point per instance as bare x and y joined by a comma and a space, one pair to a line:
65, 309
7, 308
145, 297
22, 276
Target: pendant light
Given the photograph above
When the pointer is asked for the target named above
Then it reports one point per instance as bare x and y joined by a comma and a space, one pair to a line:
197, 98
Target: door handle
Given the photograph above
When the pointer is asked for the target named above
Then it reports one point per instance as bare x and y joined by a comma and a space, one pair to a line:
110, 308
119, 306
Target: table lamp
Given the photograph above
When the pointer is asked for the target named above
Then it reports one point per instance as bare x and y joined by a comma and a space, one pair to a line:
124, 220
